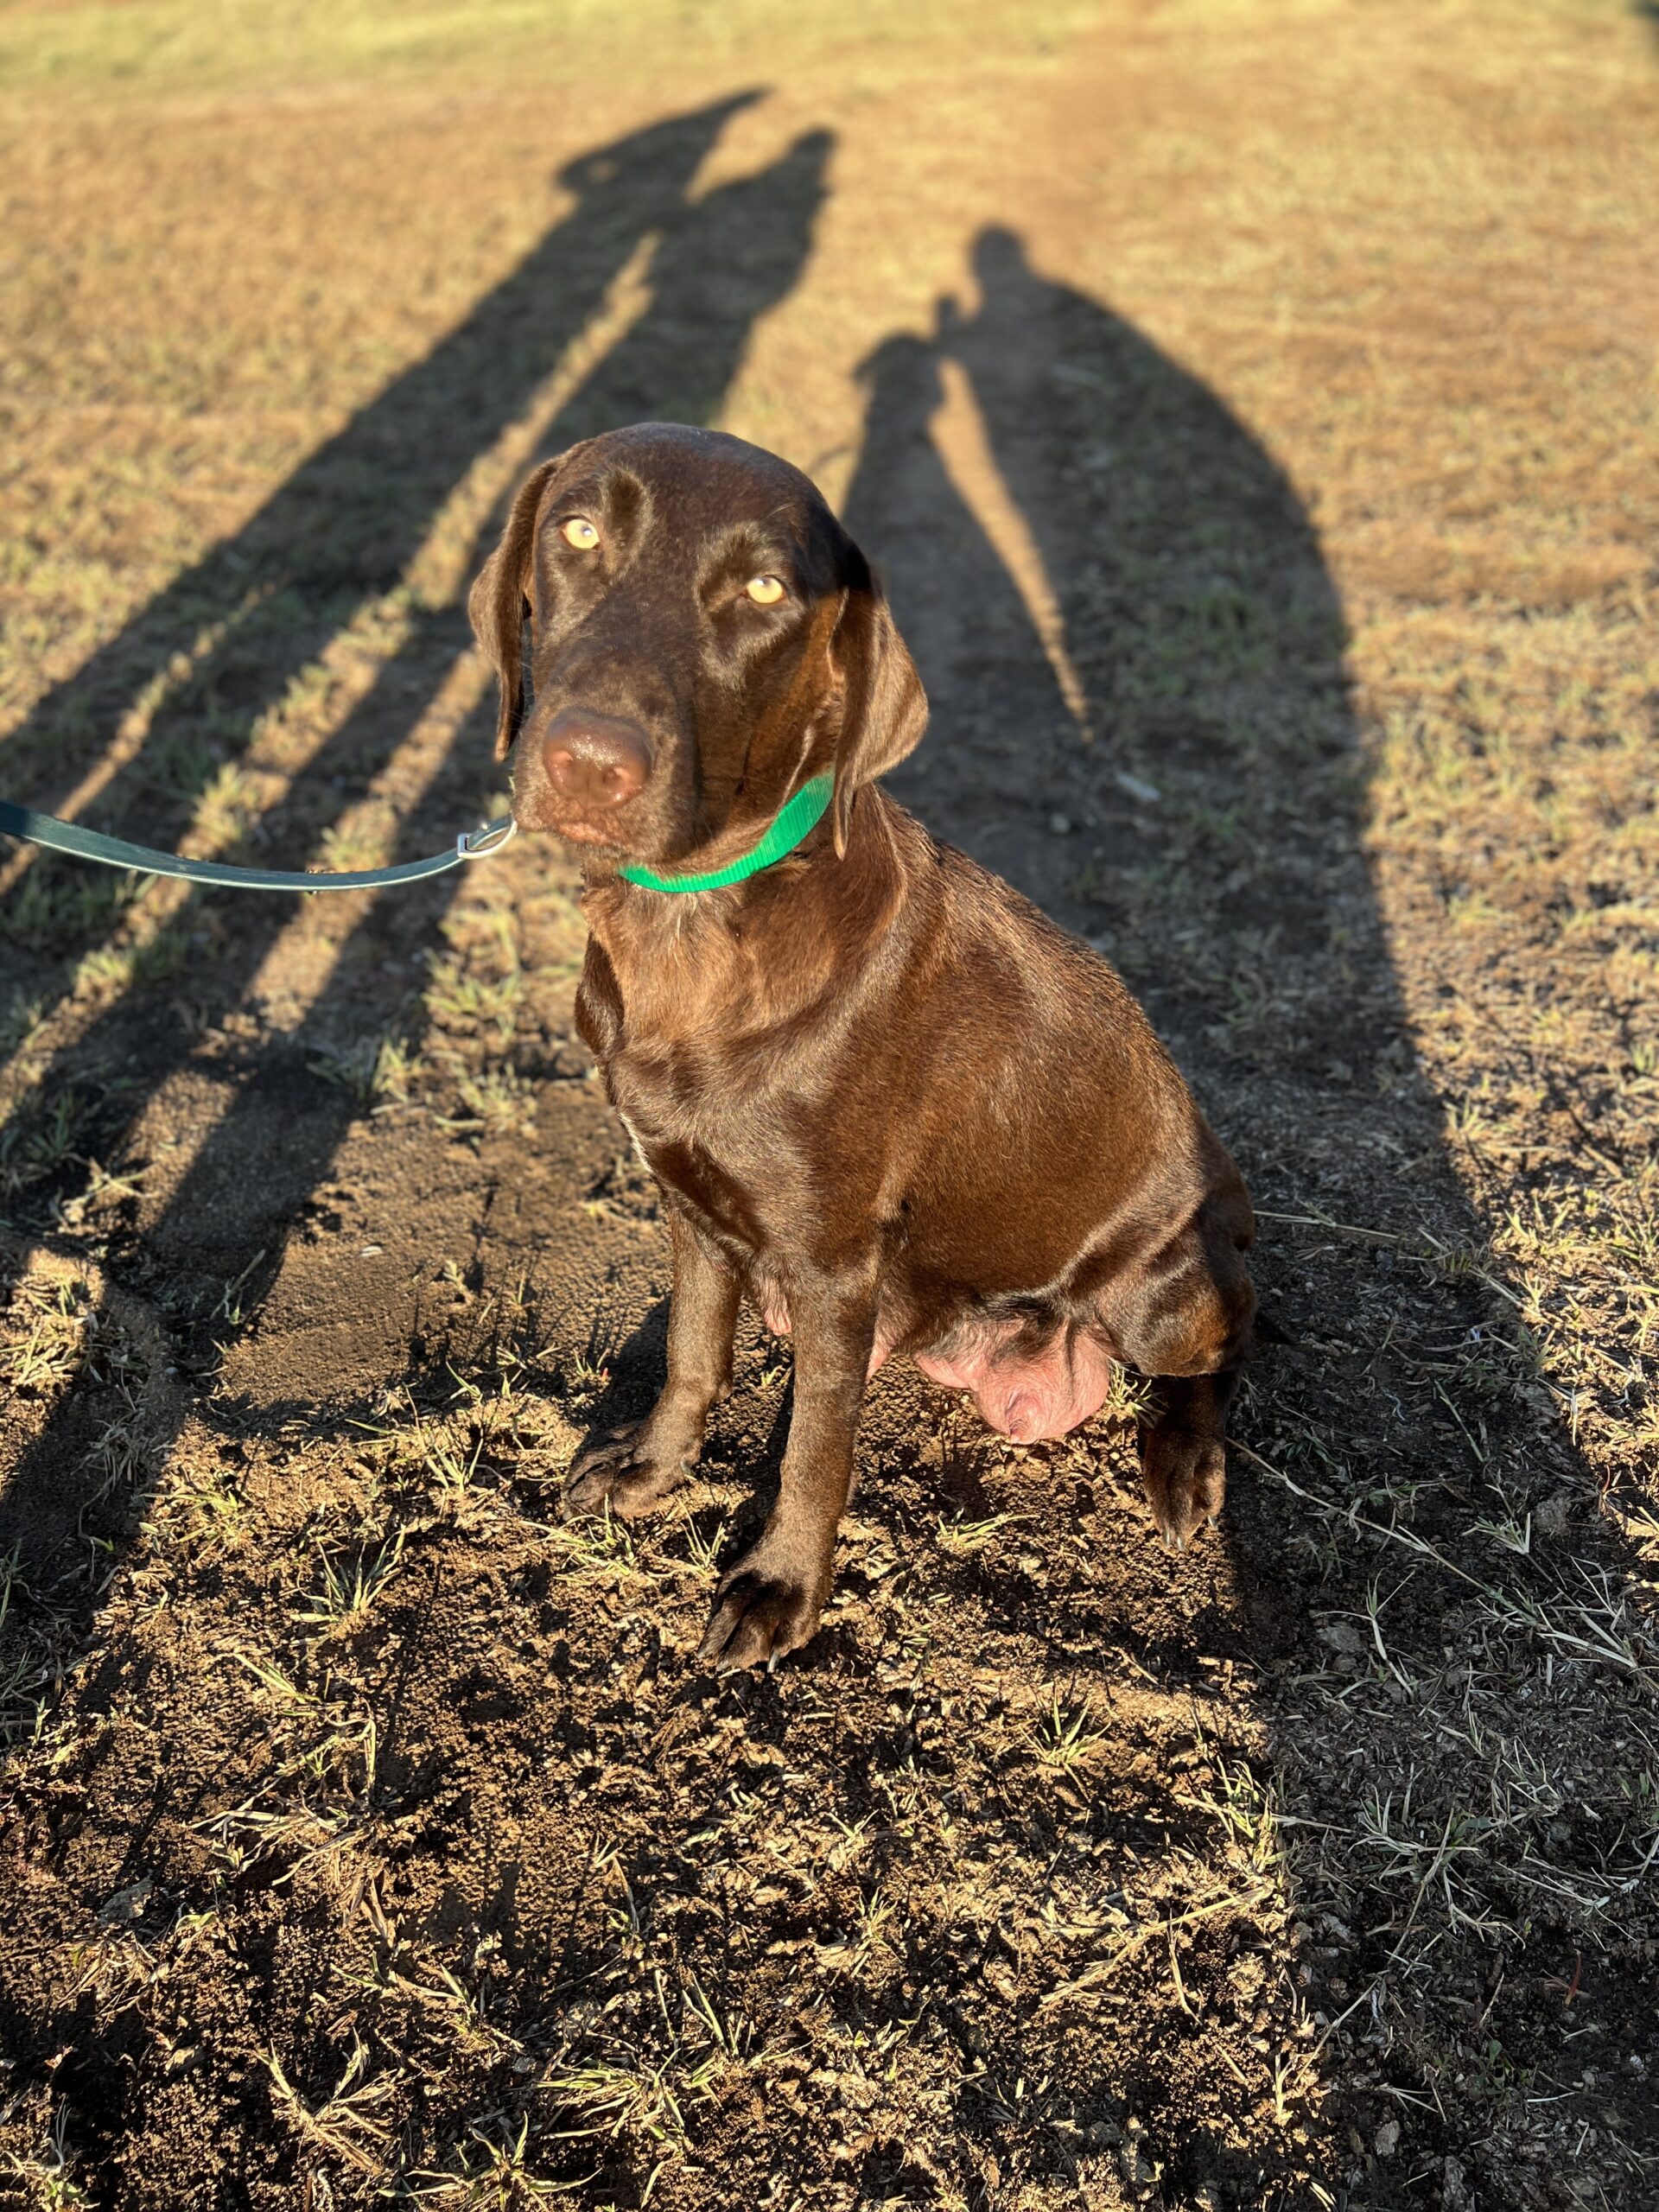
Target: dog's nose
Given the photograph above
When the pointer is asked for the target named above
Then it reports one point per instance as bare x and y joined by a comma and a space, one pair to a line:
595, 760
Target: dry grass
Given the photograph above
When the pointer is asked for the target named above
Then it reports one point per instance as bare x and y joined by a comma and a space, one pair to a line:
372, 1837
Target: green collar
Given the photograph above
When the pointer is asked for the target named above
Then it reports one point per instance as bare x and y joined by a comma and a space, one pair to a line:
784, 832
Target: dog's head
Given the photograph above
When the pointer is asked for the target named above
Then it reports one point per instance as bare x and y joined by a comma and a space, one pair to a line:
685, 634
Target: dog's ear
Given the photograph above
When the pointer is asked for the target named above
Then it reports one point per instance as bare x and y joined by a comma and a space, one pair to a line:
884, 707
499, 603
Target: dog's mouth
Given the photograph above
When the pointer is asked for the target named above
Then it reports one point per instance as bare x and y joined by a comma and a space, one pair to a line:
577, 832
649, 831
623, 835
571, 826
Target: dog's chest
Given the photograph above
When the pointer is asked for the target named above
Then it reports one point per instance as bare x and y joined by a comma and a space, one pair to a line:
710, 1155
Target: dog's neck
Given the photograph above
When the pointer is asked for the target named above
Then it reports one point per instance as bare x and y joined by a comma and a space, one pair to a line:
754, 953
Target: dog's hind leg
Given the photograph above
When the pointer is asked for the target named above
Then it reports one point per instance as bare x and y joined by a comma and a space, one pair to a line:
1186, 1323
1183, 1453
631, 1469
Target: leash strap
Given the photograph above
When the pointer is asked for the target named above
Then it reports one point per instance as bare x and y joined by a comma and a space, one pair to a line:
784, 832
116, 852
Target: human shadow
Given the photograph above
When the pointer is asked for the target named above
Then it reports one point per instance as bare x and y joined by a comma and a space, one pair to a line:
333, 540
1142, 716
337, 534
349, 519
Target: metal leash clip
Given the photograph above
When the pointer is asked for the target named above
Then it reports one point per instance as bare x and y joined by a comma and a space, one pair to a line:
489, 837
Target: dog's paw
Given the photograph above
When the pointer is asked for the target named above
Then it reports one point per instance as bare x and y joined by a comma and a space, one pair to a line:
1186, 1480
620, 1473
759, 1614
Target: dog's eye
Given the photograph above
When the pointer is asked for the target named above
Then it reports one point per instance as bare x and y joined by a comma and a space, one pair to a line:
764, 591
578, 532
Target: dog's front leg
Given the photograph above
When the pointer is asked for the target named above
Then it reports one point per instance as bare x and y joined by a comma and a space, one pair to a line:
630, 1469
772, 1600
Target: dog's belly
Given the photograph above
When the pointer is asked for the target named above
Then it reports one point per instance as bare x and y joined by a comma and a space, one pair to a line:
1026, 1394
1023, 1392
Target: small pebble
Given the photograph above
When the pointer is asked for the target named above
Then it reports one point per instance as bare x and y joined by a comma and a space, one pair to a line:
371, 1251
1387, 2138
1061, 824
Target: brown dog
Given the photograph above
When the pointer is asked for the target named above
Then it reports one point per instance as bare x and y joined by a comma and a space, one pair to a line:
883, 1096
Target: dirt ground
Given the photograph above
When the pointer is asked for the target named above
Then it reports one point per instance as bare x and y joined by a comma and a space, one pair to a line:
1252, 408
